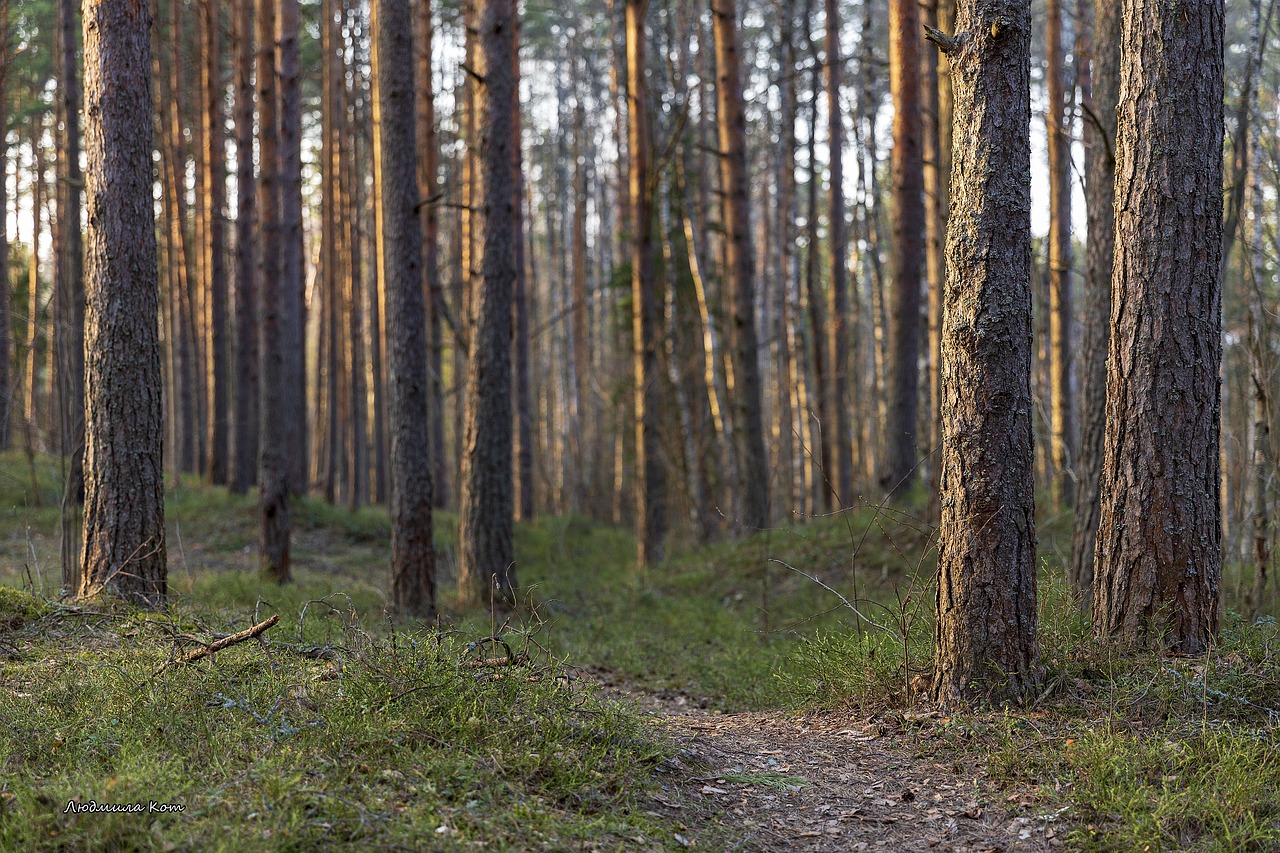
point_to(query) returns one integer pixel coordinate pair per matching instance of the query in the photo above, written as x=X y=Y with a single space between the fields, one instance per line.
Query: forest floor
x=728 y=699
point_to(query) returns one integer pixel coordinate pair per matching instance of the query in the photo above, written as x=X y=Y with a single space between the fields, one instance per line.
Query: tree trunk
x=69 y=267
x=1159 y=554
x=273 y=470
x=986 y=602
x=753 y=468
x=650 y=475
x=348 y=163
x=908 y=246
x=485 y=560
x=837 y=236
x=292 y=271
x=522 y=387
x=214 y=198
x=6 y=317
x=1099 y=90
x=428 y=190
x=124 y=545
x=1058 y=131
x=412 y=550
x=245 y=443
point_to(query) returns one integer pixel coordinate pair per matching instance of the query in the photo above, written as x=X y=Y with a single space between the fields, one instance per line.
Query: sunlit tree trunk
x=213 y=197
x=745 y=394
x=1058 y=131
x=1159 y=553
x=985 y=639
x=841 y=328
x=124 y=544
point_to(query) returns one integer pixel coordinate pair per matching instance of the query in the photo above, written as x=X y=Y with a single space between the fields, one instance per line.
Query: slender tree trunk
x=1159 y=554
x=1057 y=127
x=349 y=165
x=522 y=387
x=69 y=288
x=753 y=468
x=124 y=545
x=837 y=235
x=331 y=267
x=293 y=307
x=428 y=190
x=1262 y=465
x=245 y=442
x=826 y=475
x=214 y=199
x=650 y=475
x=273 y=410
x=6 y=316
x=485 y=564
x=1099 y=92
x=412 y=550
x=985 y=637
x=908 y=245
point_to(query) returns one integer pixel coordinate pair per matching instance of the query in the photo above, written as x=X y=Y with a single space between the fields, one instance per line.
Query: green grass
x=390 y=734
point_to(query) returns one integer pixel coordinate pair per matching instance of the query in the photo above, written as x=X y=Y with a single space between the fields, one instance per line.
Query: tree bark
x=412 y=550
x=273 y=470
x=1058 y=132
x=1159 y=553
x=1099 y=102
x=124 y=544
x=6 y=316
x=908 y=246
x=753 y=468
x=245 y=425
x=428 y=190
x=214 y=199
x=839 y=242
x=649 y=485
x=292 y=272
x=986 y=601
x=486 y=501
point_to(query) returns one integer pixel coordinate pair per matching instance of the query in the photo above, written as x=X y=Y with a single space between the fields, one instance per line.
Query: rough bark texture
x=273 y=473
x=745 y=393
x=412 y=551
x=908 y=245
x=1058 y=131
x=245 y=440
x=292 y=270
x=486 y=501
x=1099 y=187
x=650 y=520
x=124 y=545
x=215 y=200
x=838 y=237
x=986 y=602
x=1159 y=552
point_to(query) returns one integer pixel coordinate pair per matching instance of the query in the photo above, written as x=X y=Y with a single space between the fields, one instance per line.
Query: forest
x=639 y=425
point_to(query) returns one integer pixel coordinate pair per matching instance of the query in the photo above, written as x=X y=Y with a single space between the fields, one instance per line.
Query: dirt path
x=829 y=782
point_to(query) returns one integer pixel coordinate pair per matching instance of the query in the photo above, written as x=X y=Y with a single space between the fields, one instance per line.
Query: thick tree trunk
x=650 y=475
x=745 y=394
x=124 y=545
x=273 y=470
x=245 y=425
x=1159 y=552
x=412 y=550
x=1058 y=131
x=986 y=602
x=485 y=559
x=1099 y=103
x=908 y=246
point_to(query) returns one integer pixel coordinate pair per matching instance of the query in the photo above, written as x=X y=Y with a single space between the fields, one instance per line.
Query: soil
x=830 y=781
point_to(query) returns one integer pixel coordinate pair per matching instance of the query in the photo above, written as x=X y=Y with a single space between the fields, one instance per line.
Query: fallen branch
x=219 y=645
